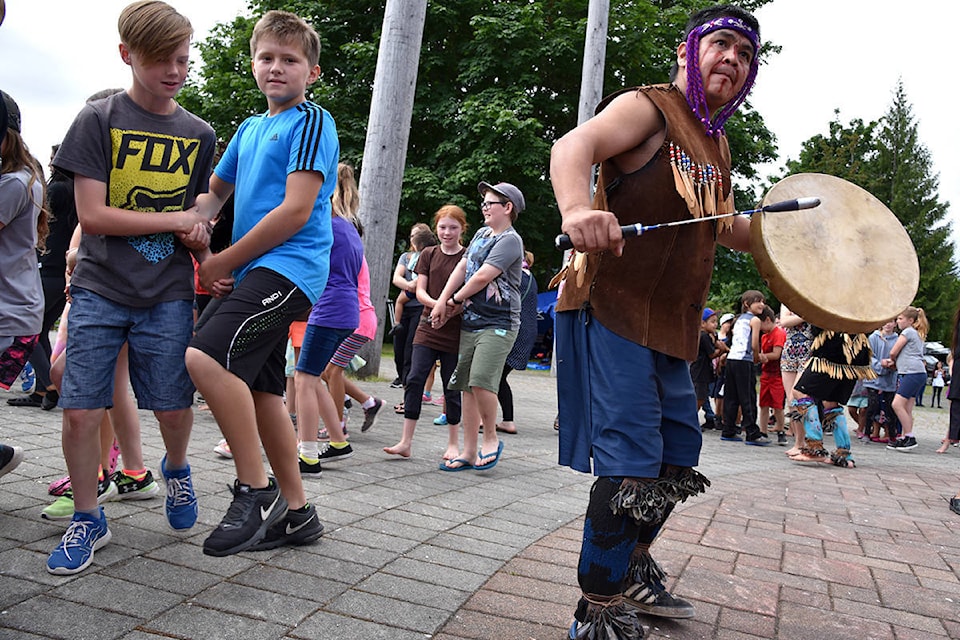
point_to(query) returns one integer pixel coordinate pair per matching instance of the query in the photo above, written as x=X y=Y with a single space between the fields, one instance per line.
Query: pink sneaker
x=59 y=487
x=114 y=456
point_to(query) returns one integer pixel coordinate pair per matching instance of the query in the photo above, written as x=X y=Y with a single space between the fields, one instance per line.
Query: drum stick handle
x=563 y=242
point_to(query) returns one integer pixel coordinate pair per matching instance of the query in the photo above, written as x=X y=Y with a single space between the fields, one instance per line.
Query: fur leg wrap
x=841 y=434
x=842 y=458
x=649 y=501
x=644 y=569
x=814 y=448
x=605 y=620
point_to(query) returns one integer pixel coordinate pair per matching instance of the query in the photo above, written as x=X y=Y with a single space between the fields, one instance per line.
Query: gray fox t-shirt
x=149 y=162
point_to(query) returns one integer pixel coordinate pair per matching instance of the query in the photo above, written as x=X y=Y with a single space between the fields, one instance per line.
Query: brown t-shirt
x=437 y=266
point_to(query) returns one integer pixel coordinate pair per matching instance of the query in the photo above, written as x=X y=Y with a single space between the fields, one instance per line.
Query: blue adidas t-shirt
x=263 y=152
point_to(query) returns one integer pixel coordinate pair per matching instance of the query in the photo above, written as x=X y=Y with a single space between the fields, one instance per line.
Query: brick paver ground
x=773 y=550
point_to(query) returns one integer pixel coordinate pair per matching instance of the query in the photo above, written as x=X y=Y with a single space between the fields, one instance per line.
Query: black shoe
x=781 y=439
x=296 y=528
x=730 y=437
x=907 y=443
x=50 y=400
x=32 y=400
x=396 y=384
x=310 y=469
x=370 y=415
x=332 y=454
x=251 y=513
x=10 y=459
x=955 y=505
x=655 y=600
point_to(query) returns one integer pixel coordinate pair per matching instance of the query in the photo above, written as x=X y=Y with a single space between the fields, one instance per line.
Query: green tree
x=498 y=83
x=887 y=159
x=910 y=188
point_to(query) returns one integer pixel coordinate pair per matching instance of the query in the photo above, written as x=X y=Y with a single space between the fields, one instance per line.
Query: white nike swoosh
x=265 y=513
x=291 y=530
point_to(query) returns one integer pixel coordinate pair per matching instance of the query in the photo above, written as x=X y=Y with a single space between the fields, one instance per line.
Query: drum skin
x=846 y=265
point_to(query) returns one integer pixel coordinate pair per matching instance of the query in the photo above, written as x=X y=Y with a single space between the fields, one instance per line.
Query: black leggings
x=505 y=395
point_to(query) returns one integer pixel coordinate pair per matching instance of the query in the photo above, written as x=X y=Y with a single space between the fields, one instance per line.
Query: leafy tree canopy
x=498 y=83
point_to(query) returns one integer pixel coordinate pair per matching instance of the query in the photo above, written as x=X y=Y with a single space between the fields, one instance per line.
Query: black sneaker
x=781 y=439
x=654 y=600
x=251 y=513
x=332 y=454
x=10 y=459
x=370 y=415
x=309 y=469
x=906 y=443
x=895 y=444
x=955 y=505
x=129 y=488
x=396 y=384
x=295 y=529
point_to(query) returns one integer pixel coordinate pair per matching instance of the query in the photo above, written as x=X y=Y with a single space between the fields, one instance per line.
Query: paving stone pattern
x=774 y=549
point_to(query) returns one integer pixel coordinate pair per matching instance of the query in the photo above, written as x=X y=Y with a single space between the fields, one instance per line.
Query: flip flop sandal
x=398 y=408
x=464 y=465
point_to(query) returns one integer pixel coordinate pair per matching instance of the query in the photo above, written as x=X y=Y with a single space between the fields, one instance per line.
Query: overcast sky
x=837 y=54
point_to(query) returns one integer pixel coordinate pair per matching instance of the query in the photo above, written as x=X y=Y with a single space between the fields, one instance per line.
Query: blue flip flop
x=492 y=463
x=464 y=465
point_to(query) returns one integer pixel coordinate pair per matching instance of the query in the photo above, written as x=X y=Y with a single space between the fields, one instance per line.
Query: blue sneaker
x=28 y=379
x=441 y=421
x=85 y=535
x=181 y=504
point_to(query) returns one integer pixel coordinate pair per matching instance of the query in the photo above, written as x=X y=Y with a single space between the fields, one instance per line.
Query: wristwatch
x=453 y=299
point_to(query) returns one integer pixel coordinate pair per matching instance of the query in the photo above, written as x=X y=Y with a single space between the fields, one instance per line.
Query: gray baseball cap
x=505 y=190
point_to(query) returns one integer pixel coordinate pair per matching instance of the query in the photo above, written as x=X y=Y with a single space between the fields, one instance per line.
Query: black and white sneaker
x=396 y=384
x=10 y=459
x=309 y=469
x=251 y=513
x=370 y=415
x=896 y=444
x=906 y=443
x=653 y=599
x=781 y=439
x=333 y=454
x=296 y=528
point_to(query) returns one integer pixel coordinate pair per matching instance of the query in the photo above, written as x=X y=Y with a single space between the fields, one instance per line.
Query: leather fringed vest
x=654 y=293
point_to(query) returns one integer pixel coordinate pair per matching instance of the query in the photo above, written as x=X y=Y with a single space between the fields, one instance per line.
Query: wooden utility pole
x=594 y=56
x=385 y=151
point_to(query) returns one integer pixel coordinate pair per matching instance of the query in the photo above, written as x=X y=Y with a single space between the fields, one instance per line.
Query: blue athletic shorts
x=631 y=408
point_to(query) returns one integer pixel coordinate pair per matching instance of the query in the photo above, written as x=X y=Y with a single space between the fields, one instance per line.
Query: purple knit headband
x=695 y=96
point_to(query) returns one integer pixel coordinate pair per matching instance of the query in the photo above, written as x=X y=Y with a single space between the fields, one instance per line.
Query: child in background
x=740 y=390
x=907 y=356
x=720 y=367
x=772 y=395
x=701 y=370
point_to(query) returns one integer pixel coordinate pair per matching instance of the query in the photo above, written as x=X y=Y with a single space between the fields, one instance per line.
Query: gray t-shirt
x=910 y=358
x=497 y=306
x=21 y=296
x=149 y=162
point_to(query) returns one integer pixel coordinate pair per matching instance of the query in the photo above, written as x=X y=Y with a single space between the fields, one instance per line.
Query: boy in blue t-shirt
x=281 y=167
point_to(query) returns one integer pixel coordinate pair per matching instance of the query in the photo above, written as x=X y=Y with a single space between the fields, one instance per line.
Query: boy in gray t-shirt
x=138 y=161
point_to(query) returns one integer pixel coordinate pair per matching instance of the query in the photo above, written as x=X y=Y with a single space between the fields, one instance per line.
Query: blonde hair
x=16 y=157
x=286 y=28
x=919 y=318
x=153 y=29
x=346 y=196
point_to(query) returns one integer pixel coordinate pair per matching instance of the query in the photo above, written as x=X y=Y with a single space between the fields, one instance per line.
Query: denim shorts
x=319 y=345
x=909 y=384
x=157 y=336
